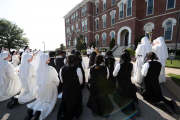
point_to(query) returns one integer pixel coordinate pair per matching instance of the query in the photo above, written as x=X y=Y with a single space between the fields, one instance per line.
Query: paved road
x=148 y=111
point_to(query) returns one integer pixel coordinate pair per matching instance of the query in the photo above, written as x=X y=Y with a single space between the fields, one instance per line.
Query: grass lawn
x=175 y=78
x=175 y=63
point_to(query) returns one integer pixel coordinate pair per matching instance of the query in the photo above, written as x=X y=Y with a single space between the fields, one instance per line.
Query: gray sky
x=42 y=20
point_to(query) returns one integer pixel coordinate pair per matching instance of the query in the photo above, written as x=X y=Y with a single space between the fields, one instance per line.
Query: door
x=126 y=38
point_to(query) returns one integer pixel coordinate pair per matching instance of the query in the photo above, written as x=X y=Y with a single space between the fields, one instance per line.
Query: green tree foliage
x=12 y=36
x=62 y=47
x=112 y=43
x=81 y=44
x=93 y=43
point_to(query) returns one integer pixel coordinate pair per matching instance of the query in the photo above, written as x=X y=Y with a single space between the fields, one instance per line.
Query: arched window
x=112 y=13
x=104 y=39
x=74 y=42
x=168 y=28
x=104 y=20
x=97 y=23
x=112 y=34
x=148 y=29
x=97 y=40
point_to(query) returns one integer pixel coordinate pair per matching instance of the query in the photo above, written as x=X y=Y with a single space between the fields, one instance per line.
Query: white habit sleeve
x=107 y=73
x=60 y=75
x=89 y=75
x=83 y=65
x=65 y=60
x=80 y=76
x=88 y=64
x=116 y=70
x=145 y=68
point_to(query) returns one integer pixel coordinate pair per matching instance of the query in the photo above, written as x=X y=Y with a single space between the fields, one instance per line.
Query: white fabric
x=161 y=50
x=88 y=51
x=15 y=60
x=141 y=52
x=46 y=100
x=37 y=59
x=24 y=70
x=79 y=74
x=118 y=67
x=12 y=84
x=28 y=92
x=83 y=65
x=2 y=56
x=89 y=74
x=88 y=64
x=92 y=49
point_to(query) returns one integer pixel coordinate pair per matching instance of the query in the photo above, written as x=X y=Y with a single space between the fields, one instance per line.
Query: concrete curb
x=172 y=87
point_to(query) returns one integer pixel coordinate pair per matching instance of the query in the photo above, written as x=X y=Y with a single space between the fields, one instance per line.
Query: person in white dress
x=27 y=76
x=92 y=48
x=15 y=59
x=161 y=51
x=46 y=82
x=9 y=81
x=141 y=52
x=88 y=52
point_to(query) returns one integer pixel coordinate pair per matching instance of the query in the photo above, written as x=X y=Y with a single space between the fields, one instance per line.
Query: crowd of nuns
x=57 y=73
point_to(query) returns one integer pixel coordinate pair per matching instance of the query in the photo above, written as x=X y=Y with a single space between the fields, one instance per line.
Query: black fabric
x=79 y=64
x=71 y=105
x=109 y=62
x=51 y=63
x=99 y=101
x=125 y=95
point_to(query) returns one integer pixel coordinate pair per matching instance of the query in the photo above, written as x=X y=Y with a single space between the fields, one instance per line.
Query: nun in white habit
x=27 y=76
x=161 y=51
x=36 y=62
x=141 y=52
x=9 y=80
x=15 y=59
x=46 y=81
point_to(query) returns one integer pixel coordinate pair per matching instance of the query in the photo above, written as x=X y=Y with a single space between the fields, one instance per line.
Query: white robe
x=15 y=60
x=46 y=102
x=28 y=92
x=12 y=84
x=162 y=76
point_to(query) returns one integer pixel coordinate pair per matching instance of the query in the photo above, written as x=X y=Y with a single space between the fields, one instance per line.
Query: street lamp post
x=44 y=47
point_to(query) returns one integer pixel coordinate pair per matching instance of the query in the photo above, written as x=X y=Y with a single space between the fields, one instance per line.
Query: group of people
x=45 y=77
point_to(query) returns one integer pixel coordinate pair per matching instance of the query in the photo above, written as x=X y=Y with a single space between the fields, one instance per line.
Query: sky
x=42 y=20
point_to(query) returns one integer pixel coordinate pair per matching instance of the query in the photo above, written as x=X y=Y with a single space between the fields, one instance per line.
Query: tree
x=62 y=47
x=112 y=43
x=12 y=36
x=81 y=44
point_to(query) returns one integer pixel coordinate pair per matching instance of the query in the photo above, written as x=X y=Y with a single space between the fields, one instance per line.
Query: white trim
x=103 y=34
x=127 y=8
x=147 y=8
x=104 y=29
x=170 y=8
x=112 y=32
x=119 y=4
x=104 y=16
x=97 y=19
x=105 y=37
x=112 y=12
x=119 y=35
x=106 y=11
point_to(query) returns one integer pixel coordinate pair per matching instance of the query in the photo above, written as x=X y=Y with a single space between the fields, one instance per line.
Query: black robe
x=125 y=95
x=71 y=105
x=99 y=101
x=52 y=62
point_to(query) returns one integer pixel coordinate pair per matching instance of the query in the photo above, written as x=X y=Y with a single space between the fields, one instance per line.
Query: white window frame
x=127 y=8
x=147 y=8
x=174 y=21
x=111 y=34
x=97 y=22
x=113 y=12
x=103 y=39
x=97 y=36
x=170 y=8
x=104 y=2
x=104 y=18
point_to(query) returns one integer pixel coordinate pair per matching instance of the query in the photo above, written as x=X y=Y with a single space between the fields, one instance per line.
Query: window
x=97 y=23
x=69 y=43
x=112 y=13
x=86 y=40
x=82 y=26
x=104 y=22
x=76 y=15
x=121 y=11
x=104 y=4
x=71 y=18
x=85 y=10
x=113 y=2
x=112 y=35
x=104 y=39
x=74 y=42
x=97 y=40
x=168 y=31
x=148 y=29
x=77 y=27
x=85 y=25
x=129 y=8
x=72 y=28
x=97 y=8
x=150 y=7
x=170 y=4
x=68 y=21
x=82 y=12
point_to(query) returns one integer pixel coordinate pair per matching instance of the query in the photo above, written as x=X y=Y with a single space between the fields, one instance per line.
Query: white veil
x=37 y=59
x=2 y=56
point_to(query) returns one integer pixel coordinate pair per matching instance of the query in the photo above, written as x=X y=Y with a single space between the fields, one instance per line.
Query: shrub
x=84 y=52
x=112 y=43
x=131 y=51
x=103 y=50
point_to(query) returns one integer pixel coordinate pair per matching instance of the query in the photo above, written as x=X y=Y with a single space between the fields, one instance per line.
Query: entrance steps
x=118 y=51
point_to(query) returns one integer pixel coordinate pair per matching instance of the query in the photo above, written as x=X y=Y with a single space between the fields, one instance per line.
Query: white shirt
x=118 y=67
x=79 y=74
x=65 y=60
x=89 y=75
x=145 y=68
x=88 y=51
x=92 y=49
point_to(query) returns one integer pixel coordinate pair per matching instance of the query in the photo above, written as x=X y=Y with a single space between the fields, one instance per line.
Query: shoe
x=138 y=114
x=74 y=118
x=175 y=107
x=11 y=104
x=36 y=115
x=164 y=108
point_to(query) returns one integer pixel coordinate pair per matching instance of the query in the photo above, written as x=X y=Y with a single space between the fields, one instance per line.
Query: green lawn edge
x=175 y=78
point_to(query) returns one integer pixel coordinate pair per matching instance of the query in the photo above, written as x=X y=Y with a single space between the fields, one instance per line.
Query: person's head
x=71 y=59
x=15 y=53
x=6 y=49
x=151 y=56
x=145 y=40
x=99 y=60
x=72 y=52
x=18 y=53
x=77 y=54
x=125 y=51
x=60 y=53
x=52 y=54
x=109 y=54
x=26 y=47
x=125 y=57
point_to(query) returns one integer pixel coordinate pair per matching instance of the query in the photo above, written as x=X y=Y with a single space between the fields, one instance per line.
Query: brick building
x=124 y=20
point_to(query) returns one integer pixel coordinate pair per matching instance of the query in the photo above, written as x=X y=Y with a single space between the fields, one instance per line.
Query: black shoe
x=29 y=115
x=164 y=108
x=36 y=115
x=175 y=107
x=12 y=103
x=74 y=118
x=138 y=114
